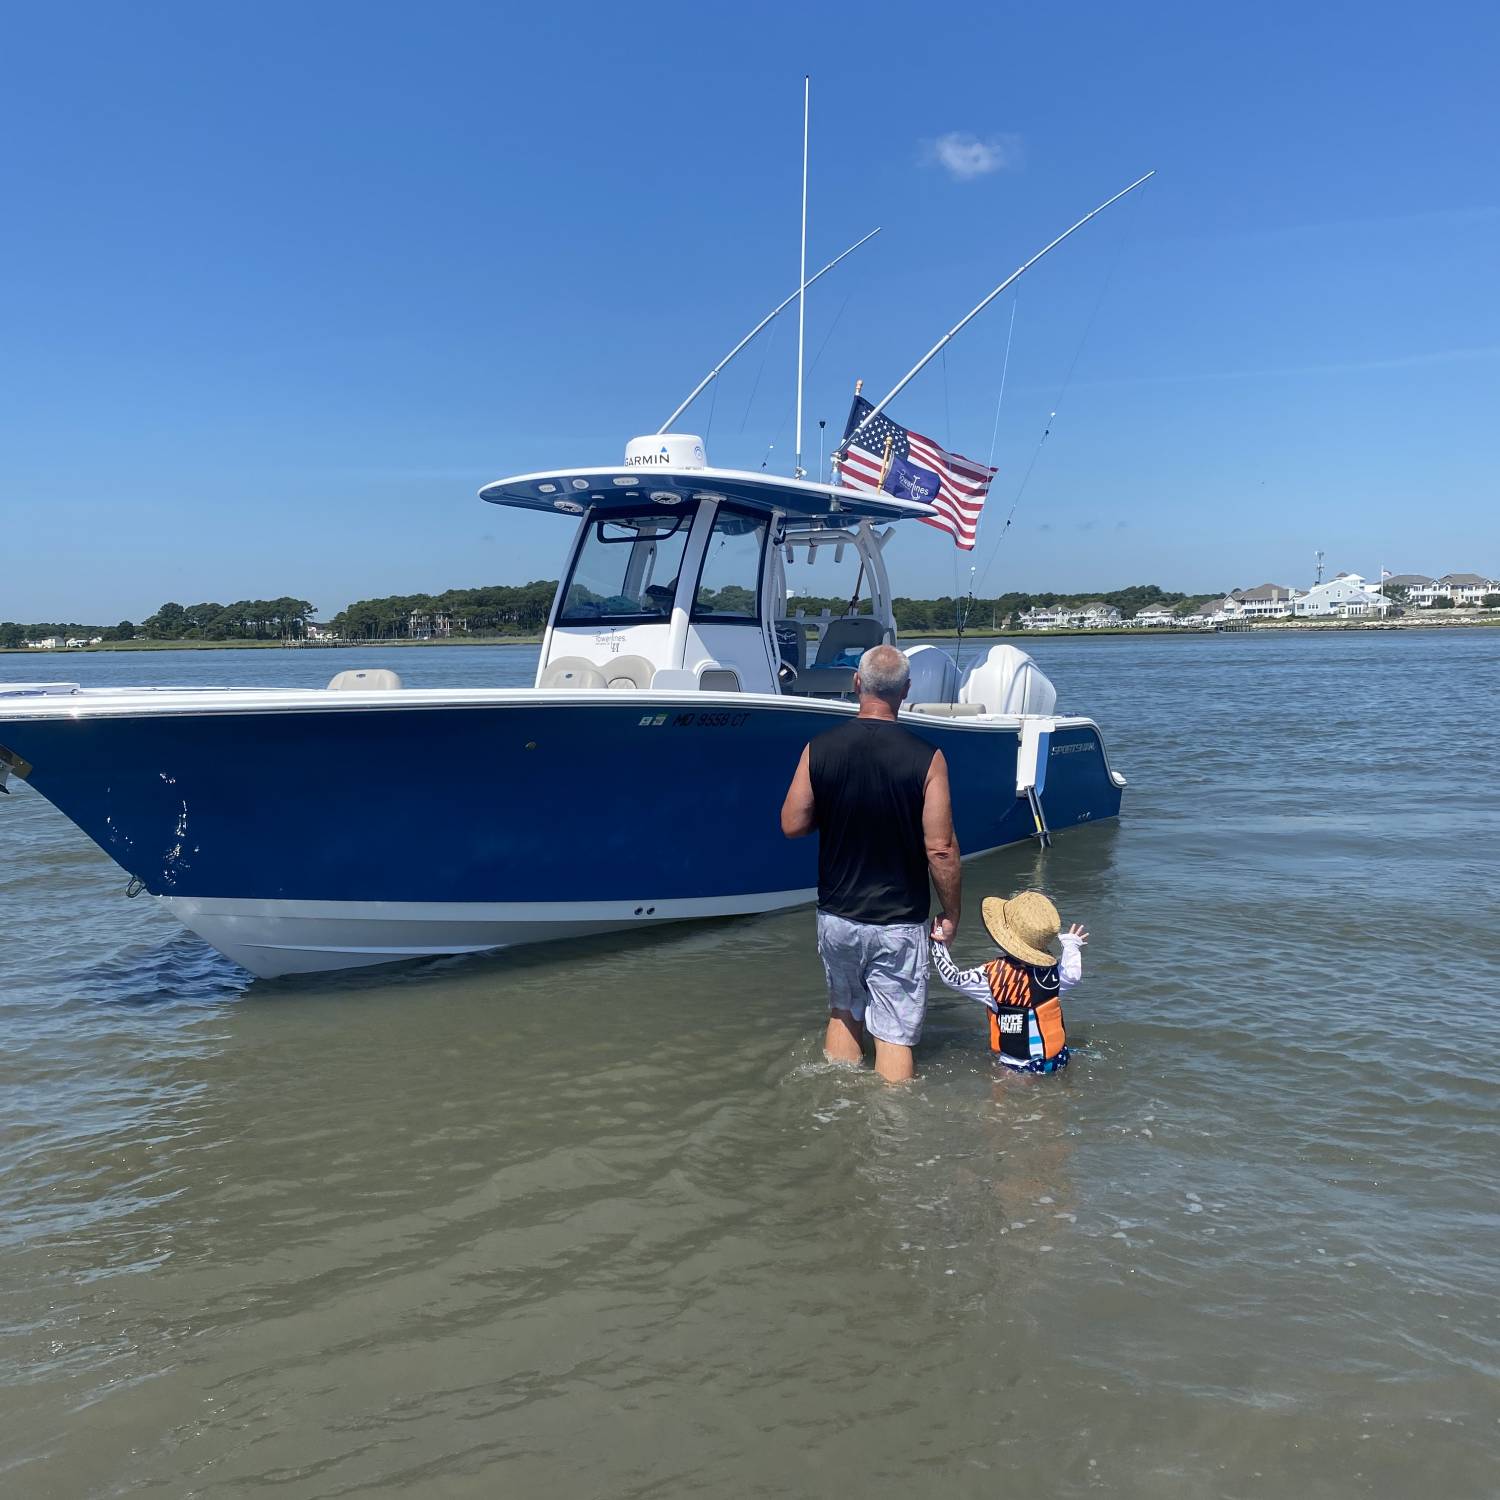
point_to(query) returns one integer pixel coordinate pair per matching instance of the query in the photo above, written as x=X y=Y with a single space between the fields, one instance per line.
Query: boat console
x=678 y=575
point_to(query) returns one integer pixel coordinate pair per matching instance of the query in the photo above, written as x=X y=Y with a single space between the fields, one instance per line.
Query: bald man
x=877 y=797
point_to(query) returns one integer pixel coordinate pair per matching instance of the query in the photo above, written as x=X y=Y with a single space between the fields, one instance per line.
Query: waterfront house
x=1211 y=612
x=1269 y=601
x=421 y=626
x=1056 y=617
x=1417 y=588
x=1467 y=590
x=1347 y=595
x=1155 y=615
x=1095 y=615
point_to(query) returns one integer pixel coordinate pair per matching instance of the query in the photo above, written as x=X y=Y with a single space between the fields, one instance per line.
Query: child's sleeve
x=1070 y=969
x=970 y=983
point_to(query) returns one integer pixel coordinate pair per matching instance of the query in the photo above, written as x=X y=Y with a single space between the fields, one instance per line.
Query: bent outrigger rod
x=703 y=384
x=937 y=348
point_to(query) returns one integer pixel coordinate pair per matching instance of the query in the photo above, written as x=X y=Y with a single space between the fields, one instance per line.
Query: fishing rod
x=938 y=347
x=703 y=384
x=797 y=469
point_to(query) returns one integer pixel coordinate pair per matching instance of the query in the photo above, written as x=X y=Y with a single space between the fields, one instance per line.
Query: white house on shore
x=1155 y=615
x=1466 y=590
x=1095 y=615
x=1346 y=596
x=1270 y=601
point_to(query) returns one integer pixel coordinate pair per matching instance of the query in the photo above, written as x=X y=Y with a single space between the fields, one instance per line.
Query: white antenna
x=974 y=312
x=1318 y=555
x=798 y=470
x=780 y=307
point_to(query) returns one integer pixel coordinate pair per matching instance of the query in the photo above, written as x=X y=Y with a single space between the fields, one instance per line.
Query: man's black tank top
x=869 y=778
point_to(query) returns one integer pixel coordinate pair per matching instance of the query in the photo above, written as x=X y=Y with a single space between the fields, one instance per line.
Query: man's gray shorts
x=877 y=973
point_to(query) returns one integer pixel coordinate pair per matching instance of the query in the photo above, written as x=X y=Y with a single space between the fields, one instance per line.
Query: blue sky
x=282 y=285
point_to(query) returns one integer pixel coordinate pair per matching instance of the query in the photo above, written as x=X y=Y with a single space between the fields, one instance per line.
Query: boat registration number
x=714 y=719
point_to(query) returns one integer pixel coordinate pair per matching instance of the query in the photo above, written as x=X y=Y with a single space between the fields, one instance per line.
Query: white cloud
x=965 y=156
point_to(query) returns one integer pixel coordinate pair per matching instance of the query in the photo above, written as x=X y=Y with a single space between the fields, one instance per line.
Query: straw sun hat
x=1026 y=926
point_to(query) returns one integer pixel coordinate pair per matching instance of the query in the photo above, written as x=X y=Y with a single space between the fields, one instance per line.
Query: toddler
x=1022 y=988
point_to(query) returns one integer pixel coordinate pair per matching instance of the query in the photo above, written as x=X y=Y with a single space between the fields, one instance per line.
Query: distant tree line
x=944 y=614
x=14 y=634
x=245 y=619
x=522 y=609
x=498 y=609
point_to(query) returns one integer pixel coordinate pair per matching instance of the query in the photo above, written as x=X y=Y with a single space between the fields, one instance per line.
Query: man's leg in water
x=896 y=980
x=844 y=1039
x=839 y=946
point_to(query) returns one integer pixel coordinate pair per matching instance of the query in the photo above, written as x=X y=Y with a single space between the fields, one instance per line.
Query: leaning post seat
x=847 y=639
x=844 y=642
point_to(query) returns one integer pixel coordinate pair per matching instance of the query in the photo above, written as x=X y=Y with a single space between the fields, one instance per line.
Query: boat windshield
x=626 y=570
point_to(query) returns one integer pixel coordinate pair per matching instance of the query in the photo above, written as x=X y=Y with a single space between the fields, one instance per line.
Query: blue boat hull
x=502 y=821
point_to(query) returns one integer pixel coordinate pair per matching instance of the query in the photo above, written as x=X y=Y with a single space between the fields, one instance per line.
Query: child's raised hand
x=1077 y=930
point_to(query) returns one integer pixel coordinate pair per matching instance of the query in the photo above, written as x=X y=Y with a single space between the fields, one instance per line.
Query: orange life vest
x=1026 y=1030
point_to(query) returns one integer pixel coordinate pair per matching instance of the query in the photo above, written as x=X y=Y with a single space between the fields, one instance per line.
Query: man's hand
x=943 y=928
x=1079 y=932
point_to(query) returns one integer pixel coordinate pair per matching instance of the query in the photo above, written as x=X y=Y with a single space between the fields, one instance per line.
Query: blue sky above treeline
x=282 y=286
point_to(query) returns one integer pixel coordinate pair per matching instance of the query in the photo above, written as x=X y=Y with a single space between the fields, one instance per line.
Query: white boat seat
x=572 y=672
x=845 y=641
x=627 y=673
x=824 y=682
x=948 y=710
x=364 y=679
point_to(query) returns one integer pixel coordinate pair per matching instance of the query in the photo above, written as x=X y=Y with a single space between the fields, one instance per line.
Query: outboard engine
x=1007 y=681
x=934 y=675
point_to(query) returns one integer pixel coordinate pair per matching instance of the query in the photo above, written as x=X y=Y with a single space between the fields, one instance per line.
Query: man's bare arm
x=942 y=848
x=798 y=816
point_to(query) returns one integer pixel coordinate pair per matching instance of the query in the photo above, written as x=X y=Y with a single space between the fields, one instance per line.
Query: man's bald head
x=884 y=673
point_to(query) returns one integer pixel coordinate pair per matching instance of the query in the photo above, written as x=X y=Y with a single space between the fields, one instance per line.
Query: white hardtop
x=660 y=470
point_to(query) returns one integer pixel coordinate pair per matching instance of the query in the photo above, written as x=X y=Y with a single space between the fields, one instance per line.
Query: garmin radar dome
x=666 y=450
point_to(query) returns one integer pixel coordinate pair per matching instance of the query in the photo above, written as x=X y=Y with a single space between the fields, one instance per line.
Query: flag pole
x=833 y=463
x=797 y=469
x=1014 y=276
x=780 y=307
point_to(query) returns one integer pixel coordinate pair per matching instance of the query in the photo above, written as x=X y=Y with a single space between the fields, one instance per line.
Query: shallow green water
x=597 y=1220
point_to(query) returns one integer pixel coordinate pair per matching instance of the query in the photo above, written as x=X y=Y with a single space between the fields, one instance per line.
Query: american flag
x=918 y=470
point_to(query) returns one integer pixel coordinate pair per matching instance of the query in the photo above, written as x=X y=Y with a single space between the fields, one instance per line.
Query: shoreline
x=1485 y=620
